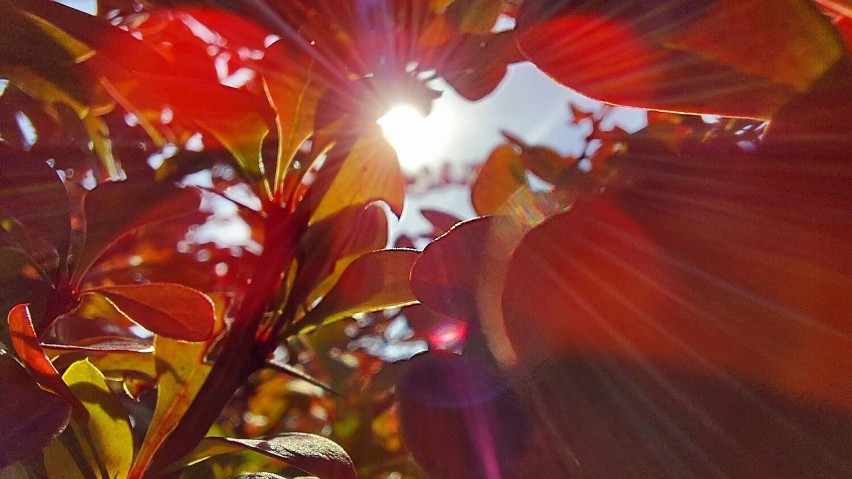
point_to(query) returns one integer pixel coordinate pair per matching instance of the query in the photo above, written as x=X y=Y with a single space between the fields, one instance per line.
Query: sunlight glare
x=418 y=140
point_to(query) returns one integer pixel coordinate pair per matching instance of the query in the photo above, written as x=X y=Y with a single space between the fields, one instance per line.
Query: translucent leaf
x=441 y=221
x=368 y=172
x=29 y=351
x=294 y=86
x=668 y=54
x=372 y=282
x=474 y=16
x=106 y=427
x=500 y=176
x=733 y=266
x=447 y=275
x=30 y=417
x=328 y=246
x=106 y=221
x=167 y=309
x=181 y=372
x=313 y=454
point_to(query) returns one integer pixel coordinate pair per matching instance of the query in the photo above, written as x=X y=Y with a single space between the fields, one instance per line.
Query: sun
x=418 y=140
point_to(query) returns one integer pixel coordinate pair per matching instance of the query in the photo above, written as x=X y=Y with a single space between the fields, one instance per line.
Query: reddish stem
x=241 y=353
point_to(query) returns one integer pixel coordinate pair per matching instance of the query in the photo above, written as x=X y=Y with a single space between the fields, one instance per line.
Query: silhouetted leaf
x=313 y=454
x=30 y=417
x=32 y=193
x=372 y=282
x=668 y=54
x=181 y=372
x=106 y=425
x=167 y=309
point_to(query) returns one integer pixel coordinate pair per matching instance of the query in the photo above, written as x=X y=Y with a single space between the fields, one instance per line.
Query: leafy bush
x=673 y=302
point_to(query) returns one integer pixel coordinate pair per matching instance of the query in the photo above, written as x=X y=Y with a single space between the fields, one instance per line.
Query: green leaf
x=181 y=372
x=474 y=16
x=30 y=417
x=372 y=282
x=167 y=309
x=669 y=55
x=106 y=428
x=105 y=222
x=313 y=454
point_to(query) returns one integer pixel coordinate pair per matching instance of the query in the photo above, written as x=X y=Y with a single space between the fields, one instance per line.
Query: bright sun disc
x=418 y=140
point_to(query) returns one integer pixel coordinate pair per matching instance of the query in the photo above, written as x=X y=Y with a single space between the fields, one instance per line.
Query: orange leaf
x=29 y=350
x=168 y=309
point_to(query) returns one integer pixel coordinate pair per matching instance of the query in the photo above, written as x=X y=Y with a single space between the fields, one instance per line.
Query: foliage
x=671 y=302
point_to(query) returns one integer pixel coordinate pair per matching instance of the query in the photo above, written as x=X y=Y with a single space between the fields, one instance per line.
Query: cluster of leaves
x=680 y=294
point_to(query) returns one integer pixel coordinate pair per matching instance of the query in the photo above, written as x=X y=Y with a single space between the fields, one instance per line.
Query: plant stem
x=241 y=353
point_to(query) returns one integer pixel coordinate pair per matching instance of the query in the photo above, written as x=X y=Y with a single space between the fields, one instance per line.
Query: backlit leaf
x=500 y=176
x=447 y=275
x=313 y=454
x=372 y=282
x=368 y=172
x=181 y=372
x=474 y=16
x=106 y=427
x=328 y=246
x=441 y=221
x=29 y=350
x=728 y=266
x=167 y=309
x=294 y=86
x=668 y=54
x=30 y=417
x=144 y=203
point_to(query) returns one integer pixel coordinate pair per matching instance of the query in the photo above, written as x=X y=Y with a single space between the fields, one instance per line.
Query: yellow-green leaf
x=106 y=428
x=368 y=172
x=181 y=371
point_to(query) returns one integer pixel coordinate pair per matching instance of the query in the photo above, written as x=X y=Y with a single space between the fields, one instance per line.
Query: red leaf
x=441 y=221
x=731 y=266
x=168 y=309
x=448 y=274
x=29 y=350
x=32 y=193
x=668 y=54
x=30 y=417
x=115 y=209
x=375 y=281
